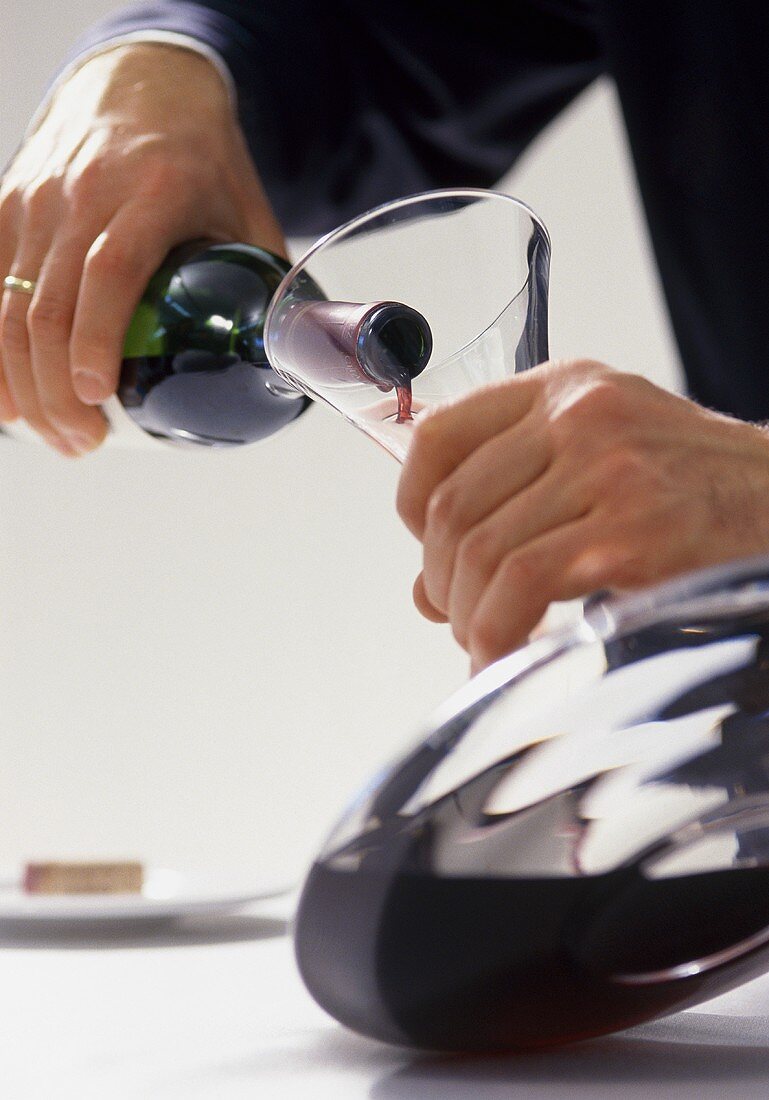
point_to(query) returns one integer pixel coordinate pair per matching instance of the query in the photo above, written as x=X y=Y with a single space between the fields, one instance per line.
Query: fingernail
x=89 y=387
x=81 y=442
x=62 y=446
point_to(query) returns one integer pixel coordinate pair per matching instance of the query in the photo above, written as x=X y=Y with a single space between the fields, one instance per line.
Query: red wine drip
x=404 y=403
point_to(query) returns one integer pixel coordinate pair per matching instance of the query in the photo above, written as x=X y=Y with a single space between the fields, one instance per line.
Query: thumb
x=423 y=605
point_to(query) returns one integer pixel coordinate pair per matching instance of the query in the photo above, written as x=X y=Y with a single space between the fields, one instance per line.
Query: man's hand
x=139 y=150
x=568 y=479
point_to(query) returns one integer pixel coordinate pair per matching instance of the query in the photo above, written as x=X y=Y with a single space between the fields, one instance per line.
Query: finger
x=8 y=410
x=423 y=605
x=17 y=365
x=494 y=473
x=118 y=267
x=14 y=336
x=445 y=436
x=545 y=506
x=562 y=564
x=9 y=222
x=49 y=323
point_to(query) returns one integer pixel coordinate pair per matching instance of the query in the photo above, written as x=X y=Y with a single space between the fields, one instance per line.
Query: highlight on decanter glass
x=578 y=843
x=411 y=304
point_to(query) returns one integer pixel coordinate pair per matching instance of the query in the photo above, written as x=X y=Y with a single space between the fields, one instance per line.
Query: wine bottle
x=384 y=343
x=194 y=367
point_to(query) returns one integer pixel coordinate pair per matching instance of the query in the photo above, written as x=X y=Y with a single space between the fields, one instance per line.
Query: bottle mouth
x=394 y=344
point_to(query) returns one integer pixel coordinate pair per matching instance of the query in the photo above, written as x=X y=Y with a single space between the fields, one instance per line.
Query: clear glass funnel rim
x=477 y=193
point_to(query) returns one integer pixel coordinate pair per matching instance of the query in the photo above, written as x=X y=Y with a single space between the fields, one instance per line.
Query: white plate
x=166 y=895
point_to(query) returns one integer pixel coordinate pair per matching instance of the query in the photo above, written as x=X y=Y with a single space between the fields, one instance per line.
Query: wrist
x=124 y=77
x=745 y=470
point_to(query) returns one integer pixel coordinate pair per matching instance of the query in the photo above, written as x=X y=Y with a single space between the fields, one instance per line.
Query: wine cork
x=125 y=877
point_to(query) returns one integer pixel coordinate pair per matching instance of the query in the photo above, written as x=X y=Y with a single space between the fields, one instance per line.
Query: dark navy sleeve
x=349 y=103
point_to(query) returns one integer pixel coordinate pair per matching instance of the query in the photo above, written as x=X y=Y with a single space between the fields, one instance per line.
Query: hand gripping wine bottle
x=195 y=369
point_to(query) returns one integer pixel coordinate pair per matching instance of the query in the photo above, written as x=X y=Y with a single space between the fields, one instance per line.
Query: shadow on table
x=695 y=1049
x=146 y=933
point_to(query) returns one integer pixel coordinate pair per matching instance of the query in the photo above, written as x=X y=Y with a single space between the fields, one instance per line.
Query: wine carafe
x=578 y=841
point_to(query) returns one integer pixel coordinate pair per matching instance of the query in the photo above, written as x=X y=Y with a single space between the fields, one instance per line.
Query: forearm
x=133 y=38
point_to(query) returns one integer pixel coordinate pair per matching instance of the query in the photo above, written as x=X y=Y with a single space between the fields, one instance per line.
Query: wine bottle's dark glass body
x=194 y=367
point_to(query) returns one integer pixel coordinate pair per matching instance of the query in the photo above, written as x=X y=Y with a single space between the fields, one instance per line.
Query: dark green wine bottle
x=194 y=367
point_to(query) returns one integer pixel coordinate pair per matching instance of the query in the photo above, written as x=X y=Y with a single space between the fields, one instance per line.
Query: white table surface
x=216 y=1009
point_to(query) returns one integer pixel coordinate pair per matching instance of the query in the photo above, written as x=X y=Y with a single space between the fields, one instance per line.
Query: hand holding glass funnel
x=422 y=299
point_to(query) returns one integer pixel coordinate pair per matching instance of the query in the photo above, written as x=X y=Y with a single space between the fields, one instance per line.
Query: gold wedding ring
x=23 y=286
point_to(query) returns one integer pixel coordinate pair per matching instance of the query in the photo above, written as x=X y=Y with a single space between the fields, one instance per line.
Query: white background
x=201 y=656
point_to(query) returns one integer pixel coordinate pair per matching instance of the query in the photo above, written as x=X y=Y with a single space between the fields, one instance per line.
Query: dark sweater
x=348 y=103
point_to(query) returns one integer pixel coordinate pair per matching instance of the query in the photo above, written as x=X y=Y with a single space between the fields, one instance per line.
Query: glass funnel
x=411 y=304
x=579 y=842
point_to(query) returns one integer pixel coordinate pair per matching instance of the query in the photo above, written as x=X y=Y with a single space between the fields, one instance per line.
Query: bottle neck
x=384 y=344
